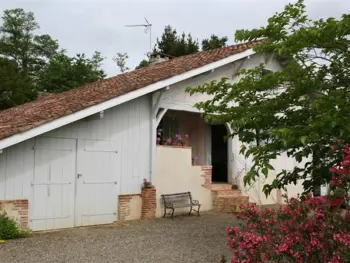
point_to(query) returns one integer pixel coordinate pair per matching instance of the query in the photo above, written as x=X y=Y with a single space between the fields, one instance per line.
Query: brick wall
x=16 y=209
x=206 y=173
x=230 y=204
x=129 y=207
x=149 y=203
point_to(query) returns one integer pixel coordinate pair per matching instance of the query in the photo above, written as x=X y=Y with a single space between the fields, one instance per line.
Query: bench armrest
x=195 y=202
x=168 y=205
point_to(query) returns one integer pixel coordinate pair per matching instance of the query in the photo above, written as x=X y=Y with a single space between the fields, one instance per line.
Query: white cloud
x=89 y=25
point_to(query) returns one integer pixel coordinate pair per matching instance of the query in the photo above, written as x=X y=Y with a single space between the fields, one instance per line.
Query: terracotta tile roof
x=51 y=107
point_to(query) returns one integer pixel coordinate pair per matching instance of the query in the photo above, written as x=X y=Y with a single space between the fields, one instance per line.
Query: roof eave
x=57 y=123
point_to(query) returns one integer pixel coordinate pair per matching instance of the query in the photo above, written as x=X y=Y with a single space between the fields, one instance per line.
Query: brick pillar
x=149 y=204
x=206 y=173
x=123 y=206
x=17 y=210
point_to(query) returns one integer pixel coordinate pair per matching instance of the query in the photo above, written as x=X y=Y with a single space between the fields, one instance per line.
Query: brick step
x=221 y=187
x=226 y=192
x=230 y=204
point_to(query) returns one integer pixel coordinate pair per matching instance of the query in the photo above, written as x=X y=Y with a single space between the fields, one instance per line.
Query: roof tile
x=54 y=106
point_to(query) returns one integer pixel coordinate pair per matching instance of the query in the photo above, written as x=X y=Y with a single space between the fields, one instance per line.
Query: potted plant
x=168 y=141
x=185 y=141
x=194 y=159
x=234 y=187
x=146 y=184
x=174 y=141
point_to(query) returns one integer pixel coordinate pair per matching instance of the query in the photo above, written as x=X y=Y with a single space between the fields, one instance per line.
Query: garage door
x=98 y=182
x=53 y=184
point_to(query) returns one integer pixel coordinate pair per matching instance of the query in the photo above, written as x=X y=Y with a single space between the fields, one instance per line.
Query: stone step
x=221 y=187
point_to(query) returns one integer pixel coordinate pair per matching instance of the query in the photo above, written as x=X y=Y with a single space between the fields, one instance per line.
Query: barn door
x=53 y=184
x=98 y=180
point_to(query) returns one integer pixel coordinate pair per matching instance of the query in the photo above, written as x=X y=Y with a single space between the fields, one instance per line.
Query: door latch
x=79 y=175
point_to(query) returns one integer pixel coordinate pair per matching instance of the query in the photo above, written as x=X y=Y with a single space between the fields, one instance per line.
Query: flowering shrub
x=308 y=229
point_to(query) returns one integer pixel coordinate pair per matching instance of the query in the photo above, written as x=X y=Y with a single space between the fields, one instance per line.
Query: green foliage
x=15 y=87
x=214 y=42
x=9 y=228
x=30 y=62
x=300 y=110
x=120 y=60
x=175 y=45
x=19 y=42
x=143 y=63
x=64 y=73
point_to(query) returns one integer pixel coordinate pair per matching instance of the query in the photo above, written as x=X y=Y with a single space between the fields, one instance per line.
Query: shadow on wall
x=175 y=173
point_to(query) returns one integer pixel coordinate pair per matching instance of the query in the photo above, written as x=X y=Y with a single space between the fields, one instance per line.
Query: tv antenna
x=148 y=28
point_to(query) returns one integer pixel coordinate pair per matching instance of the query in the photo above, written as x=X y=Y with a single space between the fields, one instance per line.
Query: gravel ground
x=184 y=239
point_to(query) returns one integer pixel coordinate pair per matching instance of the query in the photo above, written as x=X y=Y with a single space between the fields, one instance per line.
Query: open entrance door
x=219 y=153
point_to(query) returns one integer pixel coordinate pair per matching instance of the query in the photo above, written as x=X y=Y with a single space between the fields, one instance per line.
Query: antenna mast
x=148 y=27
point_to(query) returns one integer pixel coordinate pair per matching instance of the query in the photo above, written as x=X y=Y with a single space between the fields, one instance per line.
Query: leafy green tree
x=120 y=60
x=15 y=88
x=64 y=73
x=170 y=43
x=143 y=63
x=214 y=42
x=19 y=41
x=302 y=110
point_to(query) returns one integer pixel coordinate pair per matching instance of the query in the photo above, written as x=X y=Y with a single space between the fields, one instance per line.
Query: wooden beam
x=160 y=115
x=268 y=57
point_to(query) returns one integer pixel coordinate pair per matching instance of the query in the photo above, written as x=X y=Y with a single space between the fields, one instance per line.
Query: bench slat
x=178 y=200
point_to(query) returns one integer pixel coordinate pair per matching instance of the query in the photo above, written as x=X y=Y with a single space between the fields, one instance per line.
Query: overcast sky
x=89 y=25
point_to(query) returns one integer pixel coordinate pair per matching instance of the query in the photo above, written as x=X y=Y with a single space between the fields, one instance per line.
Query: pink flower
x=195 y=158
x=168 y=141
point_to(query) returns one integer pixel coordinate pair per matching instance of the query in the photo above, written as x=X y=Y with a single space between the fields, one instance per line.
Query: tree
x=301 y=110
x=15 y=88
x=19 y=42
x=175 y=45
x=64 y=73
x=214 y=42
x=143 y=63
x=120 y=60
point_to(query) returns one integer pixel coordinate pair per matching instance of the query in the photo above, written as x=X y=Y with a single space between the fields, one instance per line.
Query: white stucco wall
x=175 y=174
x=177 y=99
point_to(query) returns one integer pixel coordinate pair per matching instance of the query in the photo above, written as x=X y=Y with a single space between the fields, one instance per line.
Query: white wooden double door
x=75 y=183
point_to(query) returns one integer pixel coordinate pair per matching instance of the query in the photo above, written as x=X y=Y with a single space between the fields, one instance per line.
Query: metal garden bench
x=179 y=200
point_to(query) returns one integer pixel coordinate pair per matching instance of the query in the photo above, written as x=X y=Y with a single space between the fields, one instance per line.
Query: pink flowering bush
x=308 y=229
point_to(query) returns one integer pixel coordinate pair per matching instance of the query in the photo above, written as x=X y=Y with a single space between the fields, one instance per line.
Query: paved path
x=184 y=239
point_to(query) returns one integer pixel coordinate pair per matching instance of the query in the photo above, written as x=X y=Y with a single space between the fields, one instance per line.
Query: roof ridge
x=53 y=106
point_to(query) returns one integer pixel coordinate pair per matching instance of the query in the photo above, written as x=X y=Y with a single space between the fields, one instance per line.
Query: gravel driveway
x=184 y=239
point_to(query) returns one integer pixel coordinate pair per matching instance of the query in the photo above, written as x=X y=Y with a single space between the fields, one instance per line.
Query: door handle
x=79 y=175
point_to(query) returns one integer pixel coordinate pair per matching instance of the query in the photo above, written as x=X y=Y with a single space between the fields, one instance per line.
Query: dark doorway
x=219 y=153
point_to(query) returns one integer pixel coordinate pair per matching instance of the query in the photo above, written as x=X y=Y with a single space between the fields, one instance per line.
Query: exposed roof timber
x=268 y=57
x=20 y=137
